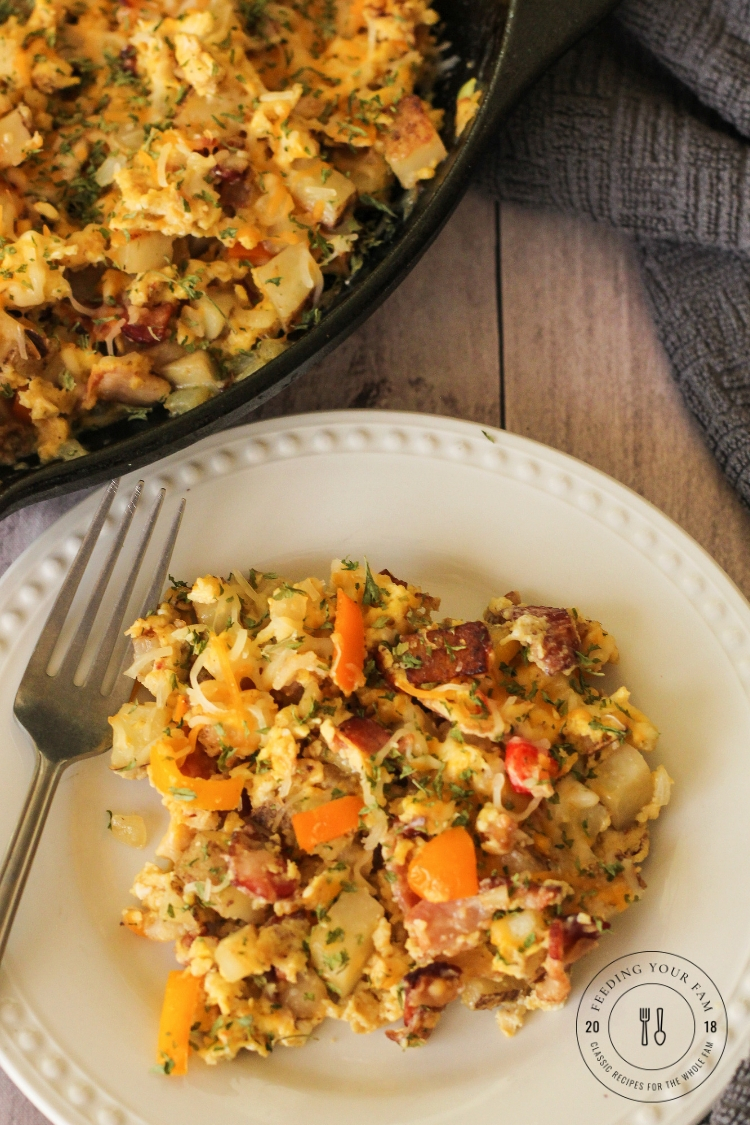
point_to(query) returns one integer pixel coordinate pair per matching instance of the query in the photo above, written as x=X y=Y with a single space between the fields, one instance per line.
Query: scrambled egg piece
x=345 y=844
x=186 y=184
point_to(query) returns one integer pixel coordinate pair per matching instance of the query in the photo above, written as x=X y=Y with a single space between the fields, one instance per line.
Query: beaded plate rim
x=39 y=1067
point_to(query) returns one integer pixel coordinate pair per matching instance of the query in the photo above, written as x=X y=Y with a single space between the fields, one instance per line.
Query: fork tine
x=72 y=657
x=101 y=661
x=155 y=589
x=48 y=638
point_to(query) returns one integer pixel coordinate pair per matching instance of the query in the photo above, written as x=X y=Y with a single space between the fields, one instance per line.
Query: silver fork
x=68 y=720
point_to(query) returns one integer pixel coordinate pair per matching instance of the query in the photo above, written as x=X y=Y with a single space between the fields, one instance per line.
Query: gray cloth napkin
x=645 y=125
x=20 y=529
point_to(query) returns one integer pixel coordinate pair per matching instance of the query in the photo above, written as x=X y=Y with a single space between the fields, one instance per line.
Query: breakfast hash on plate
x=184 y=183
x=372 y=813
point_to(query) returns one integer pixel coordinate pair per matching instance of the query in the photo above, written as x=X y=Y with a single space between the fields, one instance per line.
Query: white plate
x=467 y=516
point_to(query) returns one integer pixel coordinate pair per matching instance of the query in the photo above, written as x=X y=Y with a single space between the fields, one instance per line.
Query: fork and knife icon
x=659 y=1035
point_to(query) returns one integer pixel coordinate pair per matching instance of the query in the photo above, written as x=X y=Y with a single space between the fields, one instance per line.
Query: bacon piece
x=204 y=144
x=393 y=578
x=198 y=764
x=448 y=654
x=403 y=895
x=552 y=637
x=233 y=194
x=570 y=938
x=428 y=991
x=367 y=735
x=148 y=325
x=554 y=988
x=20 y=412
x=227 y=174
x=128 y=56
x=258 y=871
x=445 y=929
x=105 y=322
x=289 y=695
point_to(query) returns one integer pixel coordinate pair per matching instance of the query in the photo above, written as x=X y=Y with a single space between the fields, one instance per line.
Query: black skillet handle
x=537 y=33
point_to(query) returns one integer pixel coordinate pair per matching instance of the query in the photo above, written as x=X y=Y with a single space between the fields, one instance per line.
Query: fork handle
x=22 y=848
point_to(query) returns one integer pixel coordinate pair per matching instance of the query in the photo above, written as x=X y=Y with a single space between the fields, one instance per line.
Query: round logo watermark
x=651 y=1026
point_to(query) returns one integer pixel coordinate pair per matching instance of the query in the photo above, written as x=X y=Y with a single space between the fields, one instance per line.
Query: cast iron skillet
x=506 y=49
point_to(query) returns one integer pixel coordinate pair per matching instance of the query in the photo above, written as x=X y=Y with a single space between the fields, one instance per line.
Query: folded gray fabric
x=645 y=126
x=22 y=528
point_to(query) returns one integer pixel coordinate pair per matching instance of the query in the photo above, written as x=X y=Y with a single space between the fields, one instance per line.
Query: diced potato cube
x=186 y=398
x=237 y=955
x=413 y=147
x=210 y=318
x=624 y=785
x=150 y=250
x=366 y=168
x=341 y=946
x=129 y=829
x=250 y=951
x=516 y=937
x=320 y=189
x=232 y=902
x=288 y=280
x=196 y=369
x=135 y=728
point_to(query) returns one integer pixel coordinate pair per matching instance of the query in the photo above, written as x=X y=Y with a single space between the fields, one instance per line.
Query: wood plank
x=586 y=373
x=433 y=346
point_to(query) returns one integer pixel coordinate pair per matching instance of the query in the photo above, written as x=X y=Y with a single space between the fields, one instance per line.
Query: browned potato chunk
x=413 y=147
x=366 y=168
x=624 y=785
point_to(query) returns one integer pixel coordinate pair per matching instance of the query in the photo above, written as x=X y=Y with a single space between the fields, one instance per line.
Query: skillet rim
x=536 y=33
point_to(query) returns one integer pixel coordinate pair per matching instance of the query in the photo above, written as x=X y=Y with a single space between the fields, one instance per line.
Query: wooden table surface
x=537 y=323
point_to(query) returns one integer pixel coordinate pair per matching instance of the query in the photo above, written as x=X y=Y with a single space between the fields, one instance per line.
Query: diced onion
x=11 y=335
x=239 y=644
x=161 y=167
x=251 y=594
x=114 y=331
x=532 y=806
x=82 y=308
x=378 y=832
x=106 y=172
x=148 y=658
x=195 y=671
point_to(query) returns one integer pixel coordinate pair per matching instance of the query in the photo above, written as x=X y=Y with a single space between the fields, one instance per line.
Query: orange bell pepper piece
x=318 y=826
x=445 y=868
x=214 y=794
x=347 y=670
x=258 y=256
x=181 y=998
x=181 y=708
